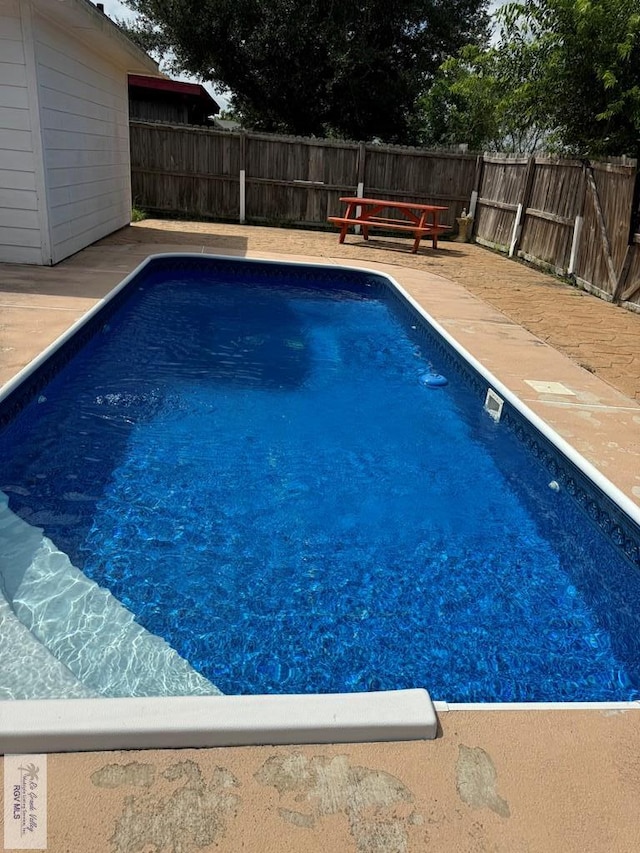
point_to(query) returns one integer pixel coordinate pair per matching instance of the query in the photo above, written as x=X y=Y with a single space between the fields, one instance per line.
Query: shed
x=158 y=99
x=64 y=127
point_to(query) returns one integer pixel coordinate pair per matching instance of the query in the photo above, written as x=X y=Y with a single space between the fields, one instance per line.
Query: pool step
x=82 y=625
x=27 y=669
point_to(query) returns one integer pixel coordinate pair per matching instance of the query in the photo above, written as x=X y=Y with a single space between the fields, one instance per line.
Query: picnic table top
x=401 y=205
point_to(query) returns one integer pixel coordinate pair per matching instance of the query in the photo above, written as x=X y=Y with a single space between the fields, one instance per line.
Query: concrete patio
x=494 y=780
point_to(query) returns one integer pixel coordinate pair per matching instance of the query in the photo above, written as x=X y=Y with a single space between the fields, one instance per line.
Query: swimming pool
x=364 y=582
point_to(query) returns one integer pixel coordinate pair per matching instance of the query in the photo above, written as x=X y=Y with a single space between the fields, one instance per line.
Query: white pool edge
x=446 y=707
x=179 y=722
x=62 y=725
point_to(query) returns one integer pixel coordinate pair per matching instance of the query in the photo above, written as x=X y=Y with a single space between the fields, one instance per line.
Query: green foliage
x=138 y=214
x=314 y=67
x=493 y=98
x=564 y=74
x=484 y=99
x=230 y=115
x=590 y=73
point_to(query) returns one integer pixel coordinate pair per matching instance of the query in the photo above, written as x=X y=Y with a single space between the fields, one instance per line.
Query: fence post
x=362 y=153
x=242 y=157
x=575 y=244
x=577 y=225
x=522 y=205
x=475 y=192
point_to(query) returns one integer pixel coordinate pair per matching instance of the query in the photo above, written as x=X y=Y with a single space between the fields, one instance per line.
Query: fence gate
x=568 y=216
x=604 y=255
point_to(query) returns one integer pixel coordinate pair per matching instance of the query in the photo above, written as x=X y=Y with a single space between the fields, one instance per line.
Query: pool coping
x=174 y=735
x=180 y=722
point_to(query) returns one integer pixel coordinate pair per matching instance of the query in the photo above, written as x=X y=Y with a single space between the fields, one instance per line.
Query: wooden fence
x=263 y=178
x=571 y=217
x=629 y=292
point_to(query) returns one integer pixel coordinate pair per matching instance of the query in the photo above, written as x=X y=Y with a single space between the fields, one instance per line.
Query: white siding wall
x=20 y=236
x=84 y=117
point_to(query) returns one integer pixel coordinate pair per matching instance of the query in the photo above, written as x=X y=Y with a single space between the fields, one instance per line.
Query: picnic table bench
x=420 y=219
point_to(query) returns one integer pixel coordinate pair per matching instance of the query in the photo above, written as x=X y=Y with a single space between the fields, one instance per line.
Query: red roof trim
x=175 y=86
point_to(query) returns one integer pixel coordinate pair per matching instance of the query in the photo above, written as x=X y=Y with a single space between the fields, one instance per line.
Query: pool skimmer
x=493 y=405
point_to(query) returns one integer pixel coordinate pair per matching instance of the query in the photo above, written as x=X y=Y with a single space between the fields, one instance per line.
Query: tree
x=591 y=69
x=314 y=67
x=484 y=99
x=563 y=73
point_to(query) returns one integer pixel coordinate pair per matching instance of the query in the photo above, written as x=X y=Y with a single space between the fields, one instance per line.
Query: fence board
x=411 y=174
x=185 y=170
x=296 y=180
x=631 y=294
x=503 y=181
x=554 y=202
x=615 y=189
x=288 y=179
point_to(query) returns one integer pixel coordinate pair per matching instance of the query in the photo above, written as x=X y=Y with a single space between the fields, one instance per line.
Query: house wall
x=85 y=139
x=21 y=222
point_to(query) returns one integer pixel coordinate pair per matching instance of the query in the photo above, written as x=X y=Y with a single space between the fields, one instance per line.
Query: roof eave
x=98 y=31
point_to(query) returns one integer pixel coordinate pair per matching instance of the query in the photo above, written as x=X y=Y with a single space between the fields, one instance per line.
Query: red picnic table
x=420 y=219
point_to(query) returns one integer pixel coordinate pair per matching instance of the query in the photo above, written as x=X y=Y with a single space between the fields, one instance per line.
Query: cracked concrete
x=536 y=781
x=477 y=779
x=192 y=814
x=369 y=799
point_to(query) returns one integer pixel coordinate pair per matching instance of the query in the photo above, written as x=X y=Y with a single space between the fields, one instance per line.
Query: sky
x=115 y=9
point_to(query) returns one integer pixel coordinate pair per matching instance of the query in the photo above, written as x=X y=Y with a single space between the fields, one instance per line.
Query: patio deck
x=495 y=780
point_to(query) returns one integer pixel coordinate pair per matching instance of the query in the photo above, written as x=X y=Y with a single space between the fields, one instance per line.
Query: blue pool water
x=257 y=471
